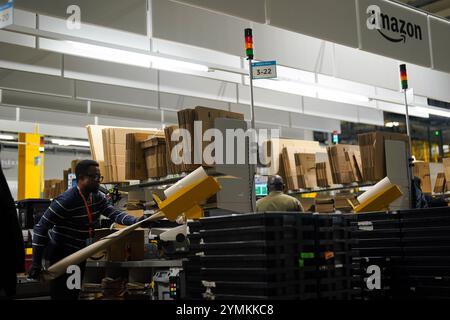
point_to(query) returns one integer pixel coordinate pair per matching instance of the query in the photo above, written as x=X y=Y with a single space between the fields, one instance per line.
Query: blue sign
x=6 y=15
x=264 y=70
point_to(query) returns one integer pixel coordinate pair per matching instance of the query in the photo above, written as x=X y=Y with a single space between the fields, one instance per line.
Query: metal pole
x=410 y=158
x=252 y=104
x=408 y=128
x=252 y=166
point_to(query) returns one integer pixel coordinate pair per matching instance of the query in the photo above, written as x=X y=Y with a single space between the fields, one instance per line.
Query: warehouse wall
x=54 y=165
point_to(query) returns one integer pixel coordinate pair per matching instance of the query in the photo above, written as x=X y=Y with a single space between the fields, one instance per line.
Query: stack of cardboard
x=155 y=157
x=53 y=188
x=341 y=202
x=206 y=116
x=343 y=168
x=186 y=120
x=306 y=170
x=324 y=205
x=422 y=171
x=172 y=168
x=353 y=155
x=439 y=187
x=135 y=168
x=279 y=156
x=446 y=162
x=321 y=173
x=114 y=146
x=372 y=153
x=288 y=169
x=95 y=137
x=108 y=148
x=271 y=151
x=326 y=178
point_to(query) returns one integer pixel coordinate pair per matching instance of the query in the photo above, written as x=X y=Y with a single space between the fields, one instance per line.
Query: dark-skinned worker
x=277 y=200
x=68 y=225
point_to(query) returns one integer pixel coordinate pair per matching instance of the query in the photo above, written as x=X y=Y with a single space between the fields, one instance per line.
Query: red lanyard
x=88 y=210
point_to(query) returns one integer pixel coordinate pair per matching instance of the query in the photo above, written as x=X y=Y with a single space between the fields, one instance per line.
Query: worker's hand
x=35 y=273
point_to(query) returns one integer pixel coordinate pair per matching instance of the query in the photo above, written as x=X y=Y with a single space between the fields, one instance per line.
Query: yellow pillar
x=31 y=166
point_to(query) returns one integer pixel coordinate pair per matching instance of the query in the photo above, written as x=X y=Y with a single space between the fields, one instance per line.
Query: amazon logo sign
x=390 y=27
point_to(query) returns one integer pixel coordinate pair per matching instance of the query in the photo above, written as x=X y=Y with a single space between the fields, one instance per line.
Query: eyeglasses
x=96 y=177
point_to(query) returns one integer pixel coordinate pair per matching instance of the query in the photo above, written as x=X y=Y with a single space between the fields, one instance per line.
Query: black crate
x=443 y=261
x=260 y=219
x=31 y=211
x=274 y=290
x=425 y=213
x=424 y=251
x=425 y=241
x=251 y=274
x=277 y=234
x=378 y=234
x=250 y=261
x=194 y=226
x=249 y=247
x=262 y=298
x=379 y=243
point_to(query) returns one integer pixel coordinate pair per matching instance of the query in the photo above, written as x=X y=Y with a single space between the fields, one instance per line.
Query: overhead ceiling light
x=435 y=112
x=109 y=54
x=133 y=58
x=7 y=137
x=340 y=96
x=64 y=142
x=392 y=124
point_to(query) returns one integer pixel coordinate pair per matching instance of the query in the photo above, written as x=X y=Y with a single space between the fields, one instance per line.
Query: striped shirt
x=66 y=221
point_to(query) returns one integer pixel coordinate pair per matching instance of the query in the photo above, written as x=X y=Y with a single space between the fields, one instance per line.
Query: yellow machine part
x=187 y=201
x=31 y=166
x=378 y=202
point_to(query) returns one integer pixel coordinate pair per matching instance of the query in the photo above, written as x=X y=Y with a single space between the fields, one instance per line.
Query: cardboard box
x=440 y=184
x=135 y=168
x=324 y=205
x=207 y=116
x=340 y=163
x=155 y=157
x=306 y=170
x=271 y=152
x=372 y=153
x=130 y=248
x=321 y=174
x=422 y=171
x=172 y=168
x=446 y=163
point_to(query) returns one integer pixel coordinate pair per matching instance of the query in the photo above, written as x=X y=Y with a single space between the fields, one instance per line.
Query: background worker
x=276 y=200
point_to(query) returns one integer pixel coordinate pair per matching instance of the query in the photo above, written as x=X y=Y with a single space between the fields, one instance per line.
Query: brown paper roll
x=59 y=268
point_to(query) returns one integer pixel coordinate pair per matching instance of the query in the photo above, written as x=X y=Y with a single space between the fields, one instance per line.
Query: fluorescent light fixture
x=176 y=65
x=435 y=112
x=340 y=96
x=392 y=124
x=64 y=142
x=132 y=58
x=109 y=54
x=7 y=137
x=285 y=86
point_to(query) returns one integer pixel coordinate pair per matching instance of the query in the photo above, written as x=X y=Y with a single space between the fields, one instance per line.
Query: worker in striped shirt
x=68 y=225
